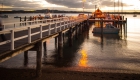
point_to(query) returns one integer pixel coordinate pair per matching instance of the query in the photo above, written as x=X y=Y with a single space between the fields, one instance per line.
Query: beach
x=61 y=74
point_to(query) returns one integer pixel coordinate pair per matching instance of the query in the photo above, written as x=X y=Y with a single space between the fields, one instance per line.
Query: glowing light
x=84 y=0
x=83 y=59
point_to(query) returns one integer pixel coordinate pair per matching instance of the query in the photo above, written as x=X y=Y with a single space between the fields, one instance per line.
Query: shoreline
x=66 y=74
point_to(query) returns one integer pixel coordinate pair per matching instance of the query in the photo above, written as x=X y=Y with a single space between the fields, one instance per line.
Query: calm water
x=89 y=51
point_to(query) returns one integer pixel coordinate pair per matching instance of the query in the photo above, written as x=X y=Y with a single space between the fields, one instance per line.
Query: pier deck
x=20 y=39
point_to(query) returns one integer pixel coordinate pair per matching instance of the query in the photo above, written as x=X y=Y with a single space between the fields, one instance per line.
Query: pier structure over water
x=32 y=35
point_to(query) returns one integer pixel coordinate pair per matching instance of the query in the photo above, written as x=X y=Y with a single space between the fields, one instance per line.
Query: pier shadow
x=69 y=53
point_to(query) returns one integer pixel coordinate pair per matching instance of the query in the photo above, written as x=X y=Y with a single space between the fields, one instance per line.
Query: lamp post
x=114 y=6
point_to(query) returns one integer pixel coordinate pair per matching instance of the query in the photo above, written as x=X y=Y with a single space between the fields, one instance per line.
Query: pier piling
x=70 y=37
x=25 y=58
x=101 y=23
x=56 y=41
x=45 y=46
x=60 y=45
x=63 y=37
x=76 y=33
x=38 y=59
x=126 y=28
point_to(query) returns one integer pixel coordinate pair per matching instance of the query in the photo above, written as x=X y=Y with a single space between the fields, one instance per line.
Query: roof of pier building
x=98 y=13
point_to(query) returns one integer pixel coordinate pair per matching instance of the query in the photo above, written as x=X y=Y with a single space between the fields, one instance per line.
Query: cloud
x=79 y=3
x=68 y=4
x=17 y=4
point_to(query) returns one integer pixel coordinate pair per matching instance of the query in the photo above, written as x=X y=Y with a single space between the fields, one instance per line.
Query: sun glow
x=83 y=59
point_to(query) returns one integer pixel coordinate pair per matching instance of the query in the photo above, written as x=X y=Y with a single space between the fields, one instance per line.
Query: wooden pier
x=33 y=36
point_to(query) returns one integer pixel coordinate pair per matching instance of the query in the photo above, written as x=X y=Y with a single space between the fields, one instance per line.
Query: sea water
x=113 y=52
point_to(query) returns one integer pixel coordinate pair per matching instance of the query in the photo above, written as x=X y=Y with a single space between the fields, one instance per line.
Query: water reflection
x=83 y=59
x=69 y=54
x=108 y=36
x=103 y=39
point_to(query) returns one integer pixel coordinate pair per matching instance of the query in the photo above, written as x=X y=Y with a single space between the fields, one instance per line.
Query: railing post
x=3 y=27
x=40 y=31
x=52 y=21
x=49 y=29
x=71 y=23
x=67 y=22
x=36 y=21
x=14 y=25
x=64 y=24
x=55 y=27
x=29 y=35
x=60 y=25
x=12 y=39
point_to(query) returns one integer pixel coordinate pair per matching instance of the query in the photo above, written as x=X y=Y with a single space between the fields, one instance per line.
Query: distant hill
x=58 y=11
x=42 y=11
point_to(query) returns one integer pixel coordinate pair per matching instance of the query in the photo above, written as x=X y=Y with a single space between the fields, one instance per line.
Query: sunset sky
x=70 y=5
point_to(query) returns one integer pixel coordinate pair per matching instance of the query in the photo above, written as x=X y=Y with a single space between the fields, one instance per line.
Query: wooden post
x=14 y=25
x=40 y=31
x=25 y=58
x=20 y=20
x=38 y=59
x=60 y=25
x=67 y=22
x=70 y=37
x=49 y=29
x=56 y=38
x=120 y=23
x=60 y=45
x=82 y=25
x=63 y=37
x=25 y=20
x=45 y=46
x=80 y=28
x=12 y=40
x=101 y=23
x=87 y=24
x=55 y=28
x=29 y=35
x=76 y=34
x=126 y=27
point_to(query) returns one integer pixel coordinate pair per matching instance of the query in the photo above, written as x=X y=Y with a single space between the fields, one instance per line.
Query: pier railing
x=28 y=25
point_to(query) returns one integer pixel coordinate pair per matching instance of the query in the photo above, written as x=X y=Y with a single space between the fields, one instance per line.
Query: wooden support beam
x=70 y=37
x=38 y=59
x=76 y=33
x=56 y=41
x=60 y=45
x=25 y=58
